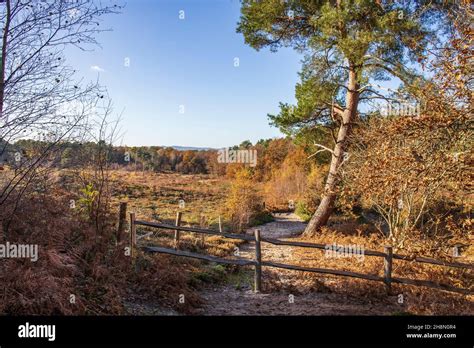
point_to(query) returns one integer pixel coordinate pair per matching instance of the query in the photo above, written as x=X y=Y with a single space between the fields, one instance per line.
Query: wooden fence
x=258 y=263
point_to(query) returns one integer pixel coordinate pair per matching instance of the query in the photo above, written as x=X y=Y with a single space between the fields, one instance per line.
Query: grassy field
x=156 y=196
x=156 y=281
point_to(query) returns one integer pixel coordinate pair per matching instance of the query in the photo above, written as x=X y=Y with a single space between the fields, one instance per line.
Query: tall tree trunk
x=326 y=207
x=3 y=58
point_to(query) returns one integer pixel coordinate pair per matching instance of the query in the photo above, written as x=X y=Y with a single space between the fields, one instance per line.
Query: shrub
x=302 y=211
x=244 y=205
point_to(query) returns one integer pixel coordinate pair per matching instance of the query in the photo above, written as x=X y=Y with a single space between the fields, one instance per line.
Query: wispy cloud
x=97 y=68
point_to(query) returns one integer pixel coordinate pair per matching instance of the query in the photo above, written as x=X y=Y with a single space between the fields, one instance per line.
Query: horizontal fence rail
x=196 y=230
x=240 y=262
x=432 y=261
x=373 y=253
x=258 y=263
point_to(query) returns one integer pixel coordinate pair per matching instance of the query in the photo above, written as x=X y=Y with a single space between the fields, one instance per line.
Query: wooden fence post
x=220 y=224
x=258 y=265
x=179 y=214
x=133 y=235
x=122 y=221
x=202 y=224
x=388 y=268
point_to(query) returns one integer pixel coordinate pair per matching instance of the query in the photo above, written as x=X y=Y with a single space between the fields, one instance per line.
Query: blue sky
x=188 y=63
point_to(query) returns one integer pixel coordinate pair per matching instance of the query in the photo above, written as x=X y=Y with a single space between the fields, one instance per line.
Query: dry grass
x=206 y=194
x=74 y=259
x=416 y=300
x=156 y=196
x=77 y=260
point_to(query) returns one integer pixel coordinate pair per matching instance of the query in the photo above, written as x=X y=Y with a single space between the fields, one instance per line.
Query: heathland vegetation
x=355 y=174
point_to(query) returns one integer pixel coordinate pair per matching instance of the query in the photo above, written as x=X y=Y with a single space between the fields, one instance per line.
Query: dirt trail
x=229 y=299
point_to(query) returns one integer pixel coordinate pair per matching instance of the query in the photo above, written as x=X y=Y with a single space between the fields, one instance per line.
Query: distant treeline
x=270 y=154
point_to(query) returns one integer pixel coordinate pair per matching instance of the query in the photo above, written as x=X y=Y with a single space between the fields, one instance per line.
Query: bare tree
x=41 y=97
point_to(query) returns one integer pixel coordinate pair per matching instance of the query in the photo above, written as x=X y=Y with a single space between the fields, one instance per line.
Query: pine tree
x=347 y=45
